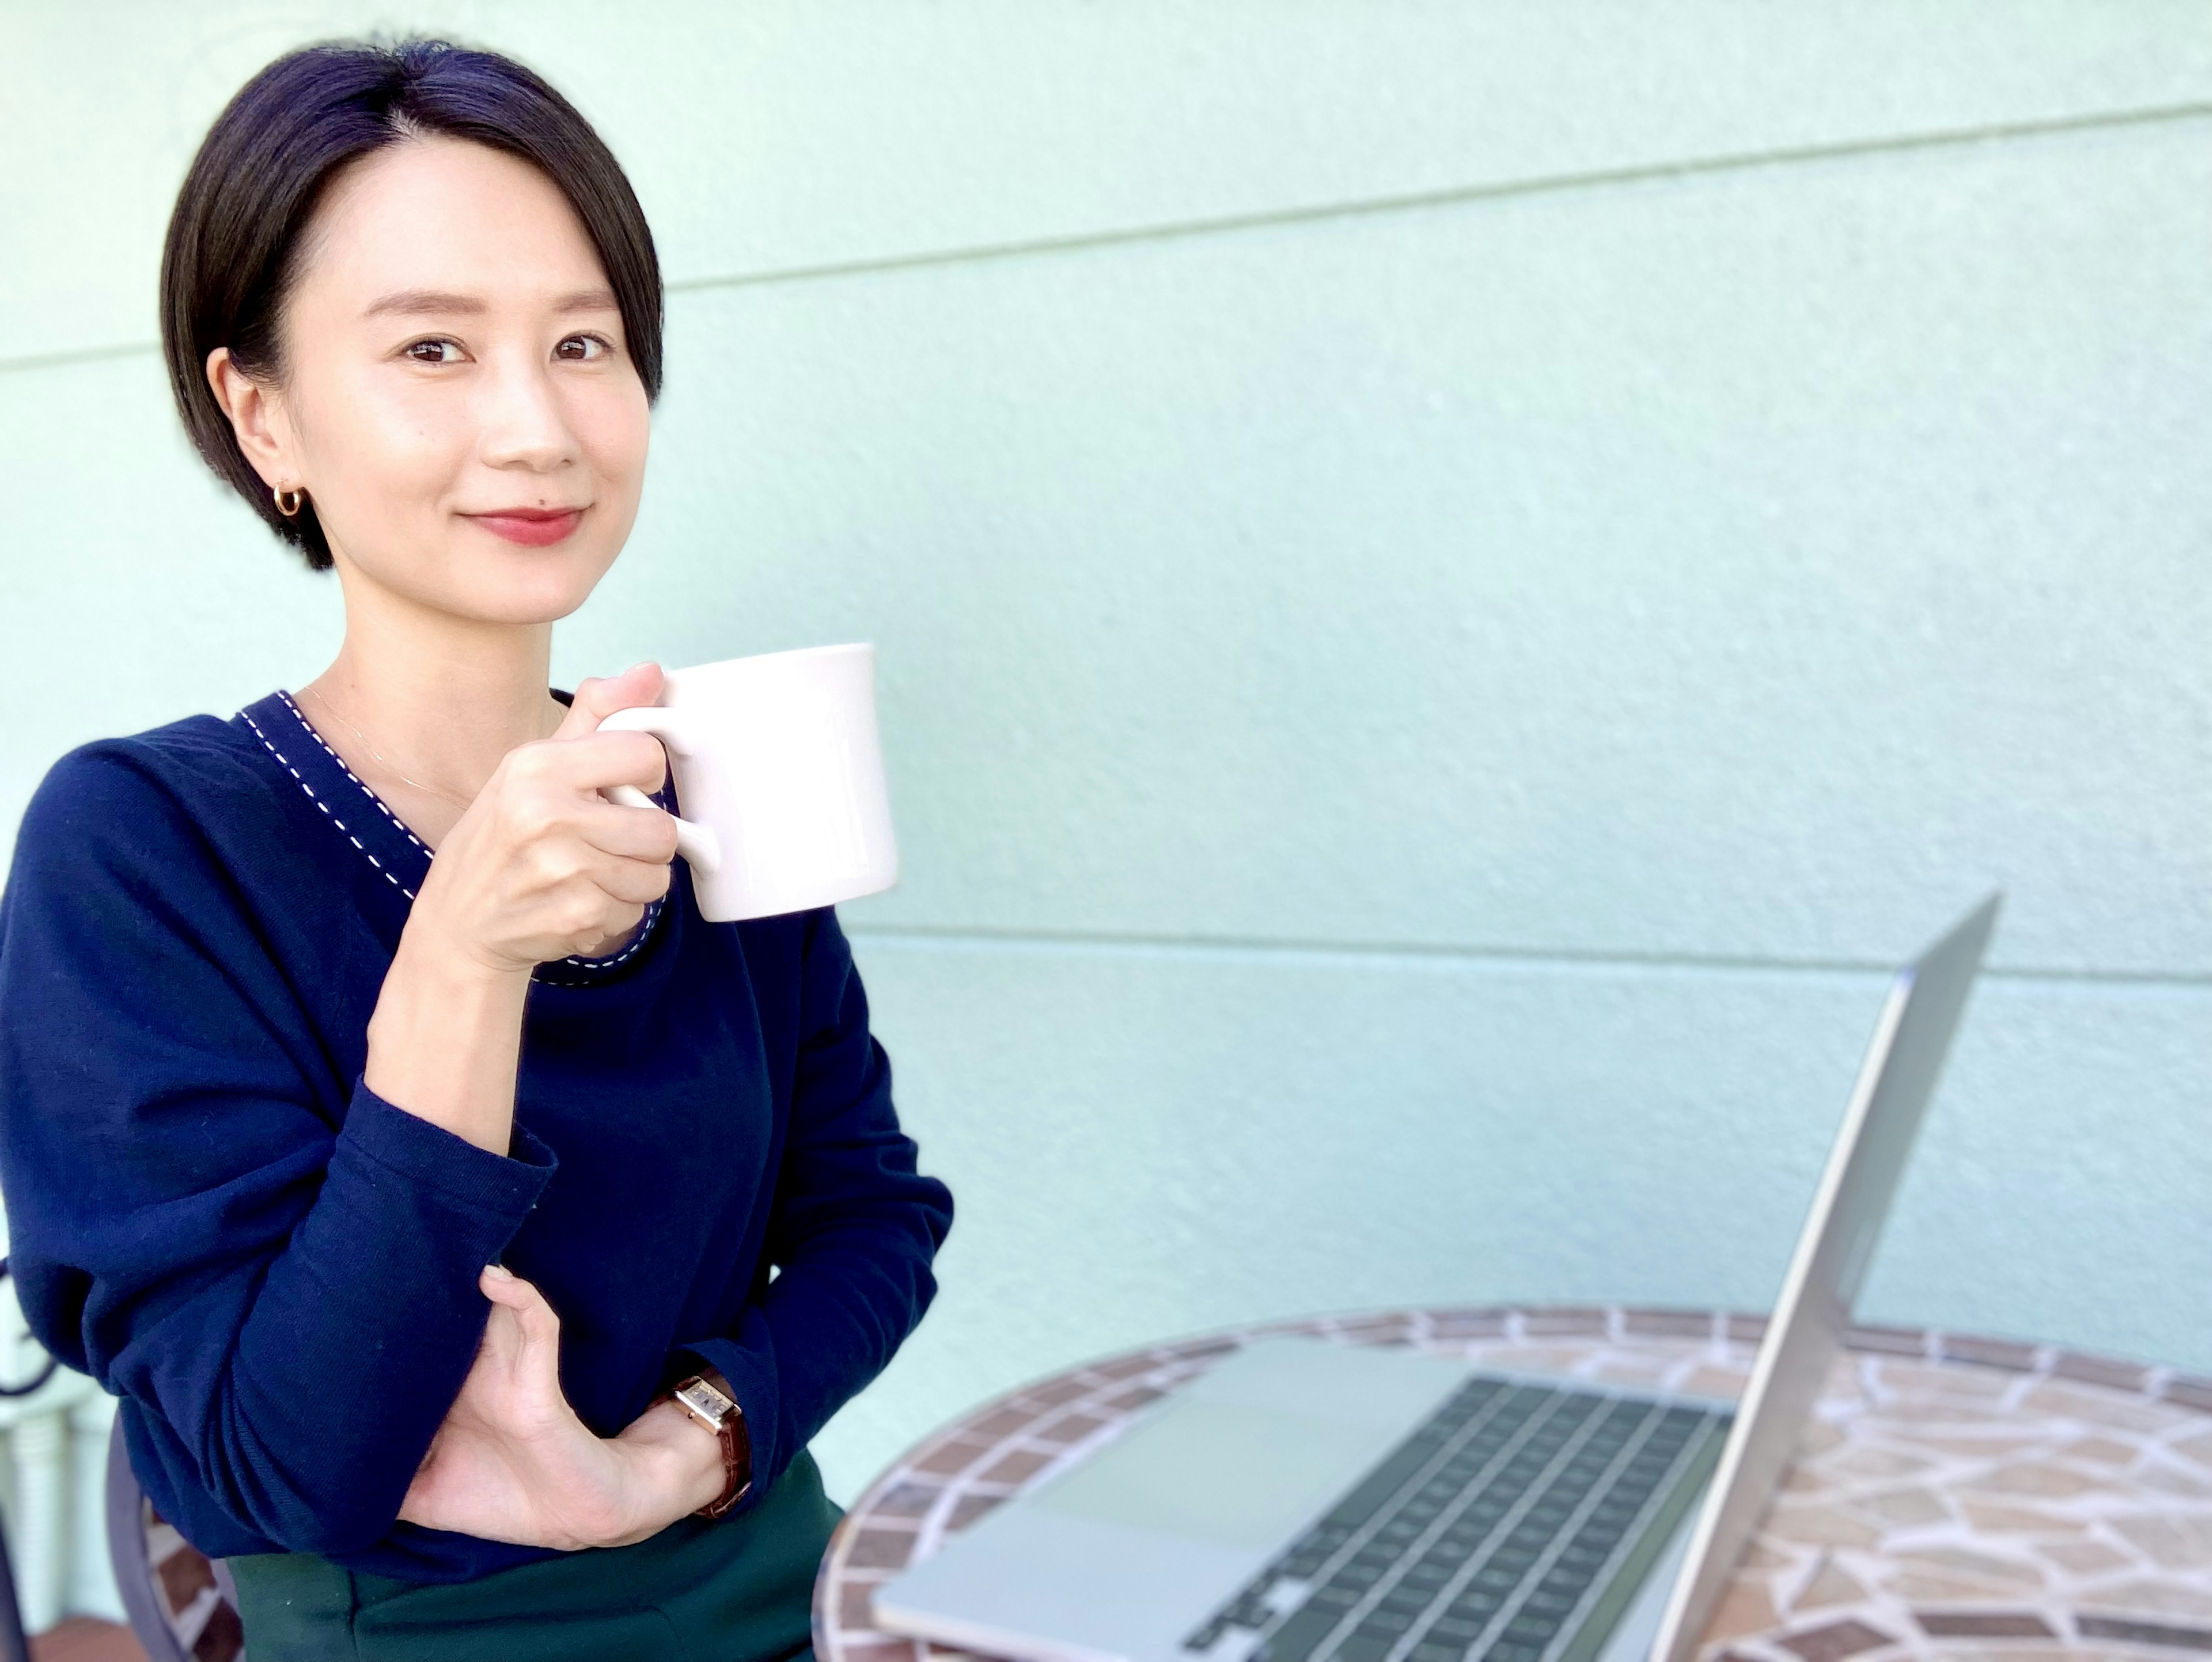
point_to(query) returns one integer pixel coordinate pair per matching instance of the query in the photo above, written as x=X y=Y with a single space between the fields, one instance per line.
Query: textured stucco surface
x=1452 y=583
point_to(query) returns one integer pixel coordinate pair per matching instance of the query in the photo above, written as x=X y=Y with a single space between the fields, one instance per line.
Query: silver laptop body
x=1305 y=1501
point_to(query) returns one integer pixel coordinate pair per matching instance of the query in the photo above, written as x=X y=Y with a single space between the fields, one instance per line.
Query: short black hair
x=233 y=244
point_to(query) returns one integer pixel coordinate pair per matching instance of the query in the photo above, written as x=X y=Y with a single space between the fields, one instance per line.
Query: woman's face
x=458 y=396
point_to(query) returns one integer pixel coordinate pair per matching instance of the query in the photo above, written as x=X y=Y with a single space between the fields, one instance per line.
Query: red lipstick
x=534 y=528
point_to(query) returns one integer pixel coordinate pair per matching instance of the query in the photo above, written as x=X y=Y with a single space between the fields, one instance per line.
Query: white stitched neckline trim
x=323 y=805
x=645 y=925
x=397 y=823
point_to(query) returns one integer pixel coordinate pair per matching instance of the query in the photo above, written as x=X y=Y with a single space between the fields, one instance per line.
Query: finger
x=503 y=1286
x=644 y=834
x=579 y=885
x=500 y=1285
x=502 y=1338
x=539 y=1325
x=538 y=1352
x=533 y=1339
x=596 y=699
x=577 y=908
x=593 y=761
x=618 y=883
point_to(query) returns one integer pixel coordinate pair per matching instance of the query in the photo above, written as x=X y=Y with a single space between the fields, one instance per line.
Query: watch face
x=703 y=1400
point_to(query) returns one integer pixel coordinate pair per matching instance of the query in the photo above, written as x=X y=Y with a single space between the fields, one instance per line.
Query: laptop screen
x=1865 y=1165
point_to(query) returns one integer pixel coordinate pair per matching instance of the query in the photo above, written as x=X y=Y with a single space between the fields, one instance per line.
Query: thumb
x=600 y=696
x=533 y=1347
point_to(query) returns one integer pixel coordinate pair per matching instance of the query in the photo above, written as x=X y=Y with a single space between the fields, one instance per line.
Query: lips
x=534 y=528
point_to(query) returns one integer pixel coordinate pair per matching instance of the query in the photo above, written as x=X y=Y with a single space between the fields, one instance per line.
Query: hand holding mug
x=542 y=864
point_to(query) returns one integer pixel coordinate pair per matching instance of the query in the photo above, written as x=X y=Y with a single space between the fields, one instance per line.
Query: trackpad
x=1229 y=1474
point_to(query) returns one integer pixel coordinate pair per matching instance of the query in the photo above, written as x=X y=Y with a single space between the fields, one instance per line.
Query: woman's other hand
x=513 y=1462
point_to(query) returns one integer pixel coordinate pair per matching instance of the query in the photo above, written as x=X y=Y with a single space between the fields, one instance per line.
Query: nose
x=520 y=423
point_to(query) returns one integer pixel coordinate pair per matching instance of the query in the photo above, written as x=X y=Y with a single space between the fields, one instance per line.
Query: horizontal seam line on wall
x=80 y=355
x=1359 y=208
x=1454 y=196
x=1200 y=946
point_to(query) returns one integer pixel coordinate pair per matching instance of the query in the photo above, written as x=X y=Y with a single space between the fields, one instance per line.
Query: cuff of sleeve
x=752 y=1381
x=506 y=1185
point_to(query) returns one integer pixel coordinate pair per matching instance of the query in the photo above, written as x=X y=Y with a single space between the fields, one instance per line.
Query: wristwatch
x=705 y=1402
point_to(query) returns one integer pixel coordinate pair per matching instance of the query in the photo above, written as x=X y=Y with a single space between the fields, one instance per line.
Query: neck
x=442 y=699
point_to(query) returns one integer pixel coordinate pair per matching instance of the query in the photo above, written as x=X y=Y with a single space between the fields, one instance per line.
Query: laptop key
x=1294 y=1641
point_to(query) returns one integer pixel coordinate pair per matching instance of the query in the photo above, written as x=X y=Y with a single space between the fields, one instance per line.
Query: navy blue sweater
x=276 y=1269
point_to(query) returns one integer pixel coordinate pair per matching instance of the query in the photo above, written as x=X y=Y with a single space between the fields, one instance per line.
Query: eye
x=583 y=348
x=434 y=350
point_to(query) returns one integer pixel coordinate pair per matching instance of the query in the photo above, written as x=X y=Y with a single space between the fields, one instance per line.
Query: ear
x=259 y=417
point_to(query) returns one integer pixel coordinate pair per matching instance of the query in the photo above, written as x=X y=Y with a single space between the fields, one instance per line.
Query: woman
x=305 y=1135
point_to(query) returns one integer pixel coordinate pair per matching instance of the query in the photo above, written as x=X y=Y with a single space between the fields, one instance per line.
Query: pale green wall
x=1452 y=580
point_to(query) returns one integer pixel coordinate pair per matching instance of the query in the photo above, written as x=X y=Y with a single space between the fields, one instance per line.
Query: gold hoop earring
x=289 y=509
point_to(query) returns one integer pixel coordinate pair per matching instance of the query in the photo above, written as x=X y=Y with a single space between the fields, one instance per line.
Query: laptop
x=1304 y=1501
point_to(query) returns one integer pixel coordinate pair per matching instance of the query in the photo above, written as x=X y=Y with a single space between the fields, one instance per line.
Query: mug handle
x=695 y=842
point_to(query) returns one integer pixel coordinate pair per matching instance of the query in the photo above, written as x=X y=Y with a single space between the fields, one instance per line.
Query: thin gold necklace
x=382 y=760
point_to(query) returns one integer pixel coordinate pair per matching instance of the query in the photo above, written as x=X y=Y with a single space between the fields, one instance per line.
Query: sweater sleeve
x=285 y=1281
x=851 y=1232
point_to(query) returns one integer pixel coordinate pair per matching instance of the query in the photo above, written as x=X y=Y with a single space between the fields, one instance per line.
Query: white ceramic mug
x=779 y=774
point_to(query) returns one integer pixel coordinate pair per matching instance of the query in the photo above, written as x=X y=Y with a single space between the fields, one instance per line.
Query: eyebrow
x=439 y=302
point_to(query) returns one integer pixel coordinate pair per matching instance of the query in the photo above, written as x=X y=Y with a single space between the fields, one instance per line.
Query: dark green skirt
x=738 y=1591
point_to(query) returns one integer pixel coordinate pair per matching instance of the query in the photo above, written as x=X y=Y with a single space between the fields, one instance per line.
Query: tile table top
x=1957 y=1497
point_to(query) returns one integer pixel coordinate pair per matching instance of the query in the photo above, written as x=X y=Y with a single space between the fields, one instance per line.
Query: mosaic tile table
x=1958 y=1497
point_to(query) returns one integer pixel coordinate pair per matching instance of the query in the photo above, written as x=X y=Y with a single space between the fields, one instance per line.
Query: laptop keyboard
x=1514 y=1526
